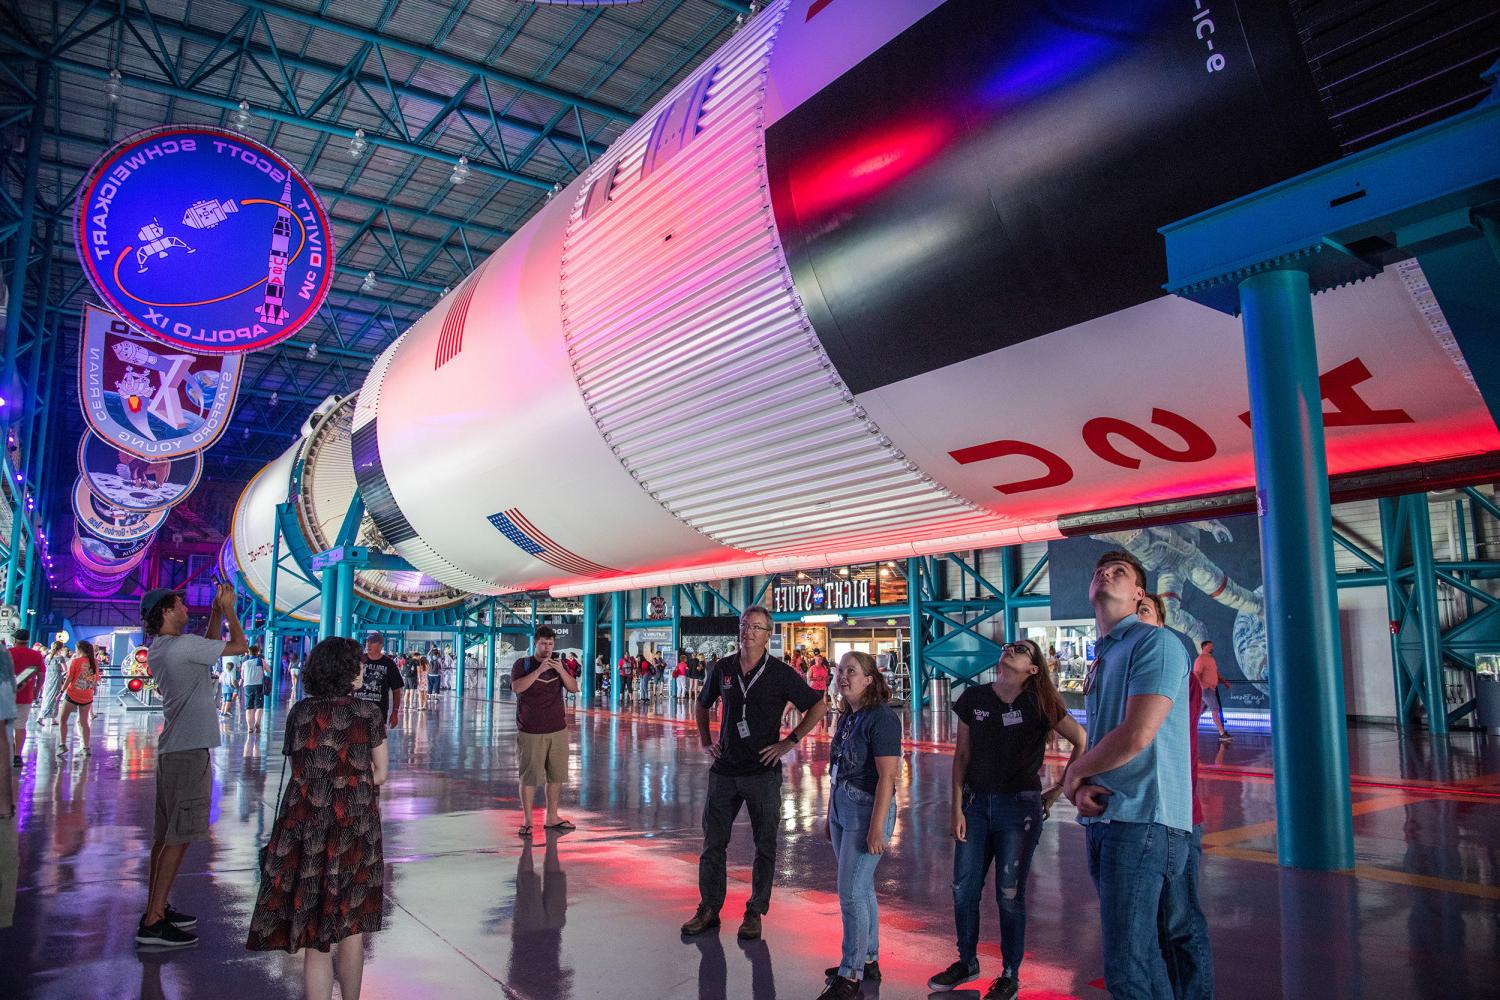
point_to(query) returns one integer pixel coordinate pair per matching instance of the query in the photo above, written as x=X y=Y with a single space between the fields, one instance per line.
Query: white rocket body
x=633 y=390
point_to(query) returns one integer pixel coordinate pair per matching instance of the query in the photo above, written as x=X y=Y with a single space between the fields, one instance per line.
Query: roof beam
x=325 y=23
x=313 y=124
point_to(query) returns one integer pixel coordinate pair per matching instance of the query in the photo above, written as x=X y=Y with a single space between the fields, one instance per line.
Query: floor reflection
x=474 y=912
x=537 y=921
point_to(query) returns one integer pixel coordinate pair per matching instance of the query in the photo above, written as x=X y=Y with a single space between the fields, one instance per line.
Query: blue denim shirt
x=860 y=738
x=1156 y=786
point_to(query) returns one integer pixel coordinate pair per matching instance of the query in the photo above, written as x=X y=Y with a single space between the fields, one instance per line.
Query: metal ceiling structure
x=432 y=131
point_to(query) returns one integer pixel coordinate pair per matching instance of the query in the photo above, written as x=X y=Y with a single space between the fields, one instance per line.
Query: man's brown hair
x=1121 y=556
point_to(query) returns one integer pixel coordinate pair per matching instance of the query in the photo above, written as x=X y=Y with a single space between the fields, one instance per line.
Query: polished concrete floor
x=472 y=912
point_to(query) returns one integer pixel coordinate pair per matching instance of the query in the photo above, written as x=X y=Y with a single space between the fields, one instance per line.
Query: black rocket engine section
x=999 y=170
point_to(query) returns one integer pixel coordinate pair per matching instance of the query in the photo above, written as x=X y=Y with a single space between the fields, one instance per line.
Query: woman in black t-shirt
x=999 y=805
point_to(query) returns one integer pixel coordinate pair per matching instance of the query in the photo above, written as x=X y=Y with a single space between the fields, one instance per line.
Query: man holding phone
x=538 y=681
x=181 y=663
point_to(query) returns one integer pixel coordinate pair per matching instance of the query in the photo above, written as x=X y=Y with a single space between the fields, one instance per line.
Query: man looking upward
x=1133 y=787
x=182 y=664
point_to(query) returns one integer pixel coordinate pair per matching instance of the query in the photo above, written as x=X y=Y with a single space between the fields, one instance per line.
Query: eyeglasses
x=1021 y=648
x=1091 y=675
x=754 y=628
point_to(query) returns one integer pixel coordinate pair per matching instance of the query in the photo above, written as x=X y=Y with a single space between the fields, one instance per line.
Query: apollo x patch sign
x=204 y=240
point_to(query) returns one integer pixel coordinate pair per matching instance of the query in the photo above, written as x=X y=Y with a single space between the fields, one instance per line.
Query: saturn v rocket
x=882 y=279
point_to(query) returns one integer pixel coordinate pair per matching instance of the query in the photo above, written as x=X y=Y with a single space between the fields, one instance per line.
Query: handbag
x=280 y=793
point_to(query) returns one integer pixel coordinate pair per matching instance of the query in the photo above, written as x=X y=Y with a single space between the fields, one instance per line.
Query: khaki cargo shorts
x=184 y=791
x=543 y=757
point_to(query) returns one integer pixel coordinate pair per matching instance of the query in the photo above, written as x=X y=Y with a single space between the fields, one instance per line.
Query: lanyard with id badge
x=743 y=727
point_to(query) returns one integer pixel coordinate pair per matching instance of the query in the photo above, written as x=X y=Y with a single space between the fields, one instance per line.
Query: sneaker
x=953 y=976
x=843 y=989
x=872 y=972
x=182 y=921
x=703 y=920
x=163 y=935
x=1004 y=988
x=62 y=751
x=750 y=927
x=1225 y=738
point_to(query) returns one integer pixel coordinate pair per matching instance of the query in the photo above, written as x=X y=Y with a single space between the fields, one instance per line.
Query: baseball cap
x=374 y=637
x=154 y=597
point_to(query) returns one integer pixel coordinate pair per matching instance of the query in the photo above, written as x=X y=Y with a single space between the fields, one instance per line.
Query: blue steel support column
x=1314 y=822
x=1010 y=573
x=328 y=606
x=460 y=662
x=590 y=645
x=676 y=626
x=344 y=580
x=616 y=647
x=1390 y=528
x=489 y=656
x=1424 y=589
x=273 y=641
x=914 y=613
x=9 y=382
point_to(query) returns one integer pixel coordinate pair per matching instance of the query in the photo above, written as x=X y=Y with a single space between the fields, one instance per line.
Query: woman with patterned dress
x=323 y=871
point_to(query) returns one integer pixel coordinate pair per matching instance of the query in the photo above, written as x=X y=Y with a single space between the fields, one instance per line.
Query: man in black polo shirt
x=755 y=688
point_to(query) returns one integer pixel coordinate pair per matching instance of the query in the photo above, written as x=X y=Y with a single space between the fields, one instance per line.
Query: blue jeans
x=1003 y=829
x=1132 y=865
x=1184 y=931
x=849 y=814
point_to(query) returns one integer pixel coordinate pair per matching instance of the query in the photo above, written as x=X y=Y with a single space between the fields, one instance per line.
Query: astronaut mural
x=1208 y=573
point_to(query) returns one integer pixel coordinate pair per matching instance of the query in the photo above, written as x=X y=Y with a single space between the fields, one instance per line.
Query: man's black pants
x=761 y=793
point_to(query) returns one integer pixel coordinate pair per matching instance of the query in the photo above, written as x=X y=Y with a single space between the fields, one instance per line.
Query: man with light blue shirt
x=1133 y=788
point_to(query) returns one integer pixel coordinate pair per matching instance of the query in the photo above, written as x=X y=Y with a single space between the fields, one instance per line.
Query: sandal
x=561 y=824
x=525 y=832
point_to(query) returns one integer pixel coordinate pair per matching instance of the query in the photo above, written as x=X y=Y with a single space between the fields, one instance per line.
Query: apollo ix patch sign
x=204 y=240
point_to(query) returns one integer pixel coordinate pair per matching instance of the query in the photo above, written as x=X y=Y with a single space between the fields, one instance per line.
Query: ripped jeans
x=1003 y=829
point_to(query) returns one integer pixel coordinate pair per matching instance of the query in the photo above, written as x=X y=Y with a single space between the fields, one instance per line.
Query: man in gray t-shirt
x=182 y=667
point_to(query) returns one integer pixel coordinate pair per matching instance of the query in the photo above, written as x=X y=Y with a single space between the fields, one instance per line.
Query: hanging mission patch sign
x=204 y=240
x=152 y=401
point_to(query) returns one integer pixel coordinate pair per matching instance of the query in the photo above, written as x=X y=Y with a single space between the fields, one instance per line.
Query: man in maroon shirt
x=25 y=659
x=538 y=681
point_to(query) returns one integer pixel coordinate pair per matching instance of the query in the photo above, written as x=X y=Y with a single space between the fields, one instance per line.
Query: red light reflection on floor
x=802 y=922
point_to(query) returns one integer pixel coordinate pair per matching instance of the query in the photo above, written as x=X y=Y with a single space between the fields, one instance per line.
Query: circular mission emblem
x=204 y=240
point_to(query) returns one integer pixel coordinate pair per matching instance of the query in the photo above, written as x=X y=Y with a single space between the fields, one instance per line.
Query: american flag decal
x=514 y=526
x=451 y=340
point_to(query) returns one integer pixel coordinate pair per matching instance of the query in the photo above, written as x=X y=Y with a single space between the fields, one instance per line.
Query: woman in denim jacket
x=863 y=767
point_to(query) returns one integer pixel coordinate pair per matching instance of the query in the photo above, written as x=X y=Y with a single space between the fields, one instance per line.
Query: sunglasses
x=1021 y=648
x=1091 y=675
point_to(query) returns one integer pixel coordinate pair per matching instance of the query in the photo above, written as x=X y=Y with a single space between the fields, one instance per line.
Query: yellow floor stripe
x=1373 y=874
x=1253 y=831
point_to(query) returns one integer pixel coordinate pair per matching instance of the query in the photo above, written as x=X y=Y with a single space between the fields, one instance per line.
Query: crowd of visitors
x=1131 y=777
